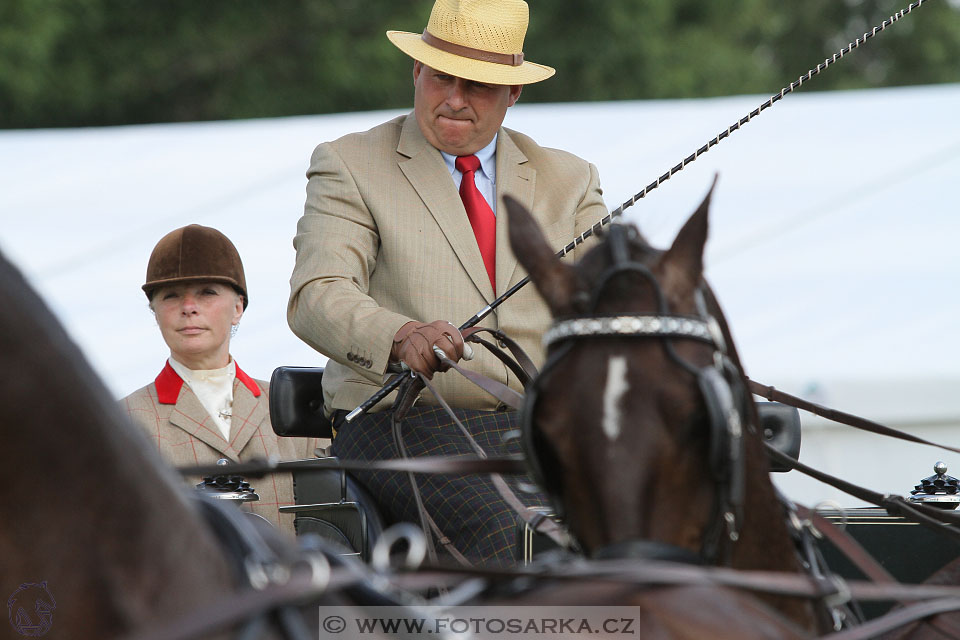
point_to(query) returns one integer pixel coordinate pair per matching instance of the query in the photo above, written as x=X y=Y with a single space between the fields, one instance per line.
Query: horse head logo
x=30 y=609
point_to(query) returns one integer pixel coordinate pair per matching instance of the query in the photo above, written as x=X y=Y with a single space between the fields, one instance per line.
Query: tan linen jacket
x=384 y=239
x=184 y=433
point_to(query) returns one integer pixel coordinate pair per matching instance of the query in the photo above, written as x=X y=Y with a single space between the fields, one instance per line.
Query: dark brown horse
x=642 y=431
x=98 y=539
x=89 y=511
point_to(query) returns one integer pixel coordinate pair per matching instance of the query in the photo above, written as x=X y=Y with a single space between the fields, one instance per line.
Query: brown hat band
x=512 y=59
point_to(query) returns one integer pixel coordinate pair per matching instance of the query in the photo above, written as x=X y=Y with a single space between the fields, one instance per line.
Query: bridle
x=720 y=384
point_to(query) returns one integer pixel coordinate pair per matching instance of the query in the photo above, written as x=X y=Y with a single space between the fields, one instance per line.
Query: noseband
x=720 y=384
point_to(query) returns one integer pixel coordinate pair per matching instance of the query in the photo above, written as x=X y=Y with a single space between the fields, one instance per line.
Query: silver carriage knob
x=939 y=490
x=222 y=462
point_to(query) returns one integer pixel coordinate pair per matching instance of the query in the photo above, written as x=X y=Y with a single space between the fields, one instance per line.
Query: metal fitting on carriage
x=731 y=521
x=262 y=574
x=381 y=559
x=939 y=490
x=313 y=549
x=828 y=504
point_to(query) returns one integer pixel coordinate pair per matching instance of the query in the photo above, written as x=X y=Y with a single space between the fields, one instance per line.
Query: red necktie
x=481 y=216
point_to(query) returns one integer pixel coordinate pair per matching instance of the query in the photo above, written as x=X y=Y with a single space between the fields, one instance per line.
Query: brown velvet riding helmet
x=192 y=253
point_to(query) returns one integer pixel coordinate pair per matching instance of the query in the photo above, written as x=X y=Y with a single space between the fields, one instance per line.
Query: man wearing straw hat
x=404 y=237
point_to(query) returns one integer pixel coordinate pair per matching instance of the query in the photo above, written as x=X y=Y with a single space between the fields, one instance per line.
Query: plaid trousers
x=467 y=509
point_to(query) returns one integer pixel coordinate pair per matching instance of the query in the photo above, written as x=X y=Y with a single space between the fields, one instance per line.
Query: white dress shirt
x=485 y=178
x=214 y=389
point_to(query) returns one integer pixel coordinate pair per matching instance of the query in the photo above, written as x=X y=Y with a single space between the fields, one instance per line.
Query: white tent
x=833 y=240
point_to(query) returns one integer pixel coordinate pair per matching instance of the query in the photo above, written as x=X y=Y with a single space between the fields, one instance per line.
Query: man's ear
x=514 y=94
x=417 y=67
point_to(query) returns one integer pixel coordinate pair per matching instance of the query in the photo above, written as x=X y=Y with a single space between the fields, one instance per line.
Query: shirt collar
x=209 y=376
x=487 y=157
x=168 y=384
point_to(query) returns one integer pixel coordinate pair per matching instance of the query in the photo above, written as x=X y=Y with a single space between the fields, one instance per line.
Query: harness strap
x=407 y=395
x=898 y=618
x=425 y=464
x=408 y=392
x=446 y=542
x=535 y=520
x=647 y=550
x=256 y=565
x=775 y=395
x=299 y=589
x=653 y=573
x=528 y=370
x=847 y=545
x=895 y=505
x=234 y=608
x=495 y=388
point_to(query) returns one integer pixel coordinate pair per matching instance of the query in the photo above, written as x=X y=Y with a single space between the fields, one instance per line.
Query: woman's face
x=195 y=319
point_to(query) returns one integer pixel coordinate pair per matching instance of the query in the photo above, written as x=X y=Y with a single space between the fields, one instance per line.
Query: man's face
x=456 y=115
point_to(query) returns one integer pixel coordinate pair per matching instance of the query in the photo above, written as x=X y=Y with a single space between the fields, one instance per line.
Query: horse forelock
x=627 y=291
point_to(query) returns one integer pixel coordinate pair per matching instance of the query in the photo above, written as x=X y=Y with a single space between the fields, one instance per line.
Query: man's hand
x=413 y=345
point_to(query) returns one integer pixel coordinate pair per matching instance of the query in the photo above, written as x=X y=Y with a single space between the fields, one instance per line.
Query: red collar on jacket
x=168 y=384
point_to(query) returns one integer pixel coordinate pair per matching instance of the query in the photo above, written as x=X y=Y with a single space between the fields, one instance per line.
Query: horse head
x=639 y=424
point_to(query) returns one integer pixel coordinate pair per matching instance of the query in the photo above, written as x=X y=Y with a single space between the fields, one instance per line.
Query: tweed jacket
x=184 y=433
x=384 y=239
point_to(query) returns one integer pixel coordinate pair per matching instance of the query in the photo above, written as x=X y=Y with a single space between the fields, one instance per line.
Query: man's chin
x=455 y=137
x=459 y=146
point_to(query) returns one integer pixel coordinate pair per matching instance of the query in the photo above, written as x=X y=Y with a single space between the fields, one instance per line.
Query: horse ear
x=683 y=262
x=555 y=281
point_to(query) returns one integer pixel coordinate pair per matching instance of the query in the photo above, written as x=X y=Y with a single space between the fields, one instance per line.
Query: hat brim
x=476 y=70
x=149 y=287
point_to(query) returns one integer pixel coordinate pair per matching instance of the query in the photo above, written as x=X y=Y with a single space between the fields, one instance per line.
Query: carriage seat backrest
x=296 y=403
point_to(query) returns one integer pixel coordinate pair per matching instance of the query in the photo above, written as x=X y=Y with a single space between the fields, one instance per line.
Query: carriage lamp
x=938 y=490
x=228 y=487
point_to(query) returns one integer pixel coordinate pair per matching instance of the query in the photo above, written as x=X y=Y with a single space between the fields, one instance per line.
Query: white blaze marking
x=612 y=393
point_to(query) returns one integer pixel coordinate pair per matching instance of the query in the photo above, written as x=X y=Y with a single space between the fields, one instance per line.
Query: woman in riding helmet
x=202 y=407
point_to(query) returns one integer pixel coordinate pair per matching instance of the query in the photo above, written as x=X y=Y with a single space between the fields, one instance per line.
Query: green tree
x=100 y=62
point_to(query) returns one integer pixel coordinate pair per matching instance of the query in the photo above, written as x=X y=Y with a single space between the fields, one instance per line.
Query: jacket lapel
x=248 y=413
x=424 y=167
x=190 y=416
x=517 y=179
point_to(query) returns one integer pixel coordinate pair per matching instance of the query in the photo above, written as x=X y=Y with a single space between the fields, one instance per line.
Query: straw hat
x=479 y=40
x=194 y=253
